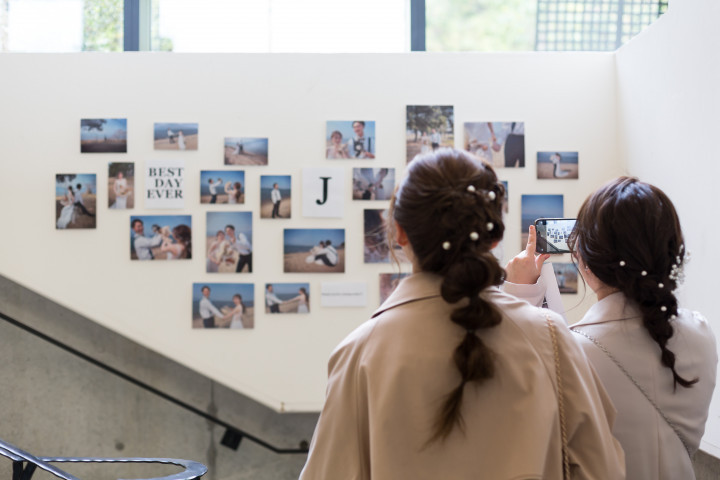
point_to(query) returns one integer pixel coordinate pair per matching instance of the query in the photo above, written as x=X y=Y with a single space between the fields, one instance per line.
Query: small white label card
x=343 y=294
x=323 y=192
x=165 y=184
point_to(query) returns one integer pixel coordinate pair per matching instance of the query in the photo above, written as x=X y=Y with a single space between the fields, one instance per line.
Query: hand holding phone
x=552 y=234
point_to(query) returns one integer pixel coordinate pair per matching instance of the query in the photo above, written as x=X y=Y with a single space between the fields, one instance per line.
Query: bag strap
x=637 y=384
x=560 y=398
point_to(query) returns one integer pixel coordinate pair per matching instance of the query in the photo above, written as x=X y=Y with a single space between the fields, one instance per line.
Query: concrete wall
x=667 y=84
x=567 y=101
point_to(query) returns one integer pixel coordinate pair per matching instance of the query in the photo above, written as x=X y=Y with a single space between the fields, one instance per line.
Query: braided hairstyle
x=450 y=206
x=628 y=235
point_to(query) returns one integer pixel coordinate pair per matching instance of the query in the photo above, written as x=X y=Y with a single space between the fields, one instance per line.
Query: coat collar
x=614 y=307
x=417 y=286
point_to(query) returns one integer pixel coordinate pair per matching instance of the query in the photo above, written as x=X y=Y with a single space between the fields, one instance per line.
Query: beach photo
x=75 y=200
x=314 y=250
x=246 y=151
x=287 y=298
x=176 y=136
x=223 y=305
x=121 y=185
x=275 y=195
x=538 y=206
x=350 y=139
x=501 y=144
x=557 y=165
x=567 y=277
x=228 y=242
x=373 y=183
x=160 y=237
x=429 y=127
x=388 y=284
x=222 y=186
x=375 y=244
x=103 y=135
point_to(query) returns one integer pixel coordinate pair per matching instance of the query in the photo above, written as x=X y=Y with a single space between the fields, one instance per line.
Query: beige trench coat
x=653 y=451
x=388 y=378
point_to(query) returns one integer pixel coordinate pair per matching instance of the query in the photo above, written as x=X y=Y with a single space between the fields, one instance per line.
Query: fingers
x=530 y=249
x=540 y=259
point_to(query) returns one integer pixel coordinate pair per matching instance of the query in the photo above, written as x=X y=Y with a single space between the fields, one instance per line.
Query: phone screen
x=553 y=234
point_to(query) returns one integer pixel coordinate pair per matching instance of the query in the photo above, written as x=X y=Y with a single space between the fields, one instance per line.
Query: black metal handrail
x=232 y=431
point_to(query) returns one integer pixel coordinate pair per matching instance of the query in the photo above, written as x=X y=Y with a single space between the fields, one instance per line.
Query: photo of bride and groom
x=223 y=305
x=168 y=237
x=75 y=200
x=176 y=136
x=314 y=250
x=229 y=242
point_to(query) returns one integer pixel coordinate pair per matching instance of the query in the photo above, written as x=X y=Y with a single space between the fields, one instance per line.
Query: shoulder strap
x=602 y=348
x=560 y=398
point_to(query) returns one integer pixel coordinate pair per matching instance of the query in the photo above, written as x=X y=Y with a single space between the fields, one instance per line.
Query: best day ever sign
x=165 y=184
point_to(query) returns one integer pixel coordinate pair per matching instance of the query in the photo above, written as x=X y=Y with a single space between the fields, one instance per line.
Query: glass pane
x=280 y=26
x=61 y=25
x=480 y=25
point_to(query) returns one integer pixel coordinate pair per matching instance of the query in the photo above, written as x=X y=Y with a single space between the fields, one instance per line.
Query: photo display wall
x=317 y=187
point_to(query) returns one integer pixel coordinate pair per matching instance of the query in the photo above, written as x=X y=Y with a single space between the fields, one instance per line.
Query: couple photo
x=350 y=139
x=501 y=144
x=246 y=151
x=75 y=201
x=223 y=305
x=222 y=186
x=429 y=127
x=287 y=298
x=176 y=136
x=229 y=242
x=169 y=237
x=309 y=250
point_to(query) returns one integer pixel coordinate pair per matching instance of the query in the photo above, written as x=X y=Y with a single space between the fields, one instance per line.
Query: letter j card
x=323 y=192
x=165 y=184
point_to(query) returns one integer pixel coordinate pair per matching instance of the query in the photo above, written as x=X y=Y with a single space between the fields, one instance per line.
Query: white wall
x=567 y=101
x=667 y=83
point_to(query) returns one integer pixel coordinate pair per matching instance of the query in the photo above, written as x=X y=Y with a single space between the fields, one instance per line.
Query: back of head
x=628 y=235
x=450 y=206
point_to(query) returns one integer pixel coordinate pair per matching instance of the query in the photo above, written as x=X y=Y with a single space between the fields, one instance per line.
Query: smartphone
x=552 y=234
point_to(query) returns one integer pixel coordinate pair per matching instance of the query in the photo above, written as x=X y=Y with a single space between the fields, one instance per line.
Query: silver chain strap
x=639 y=387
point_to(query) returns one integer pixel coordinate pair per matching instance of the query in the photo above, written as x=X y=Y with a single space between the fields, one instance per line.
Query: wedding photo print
x=222 y=186
x=121 y=185
x=246 y=151
x=314 y=250
x=567 y=277
x=103 y=135
x=350 y=139
x=229 y=242
x=501 y=144
x=533 y=207
x=275 y=195
x=376 y=248
x=287 y=298
x=160 y=237
x=561 y=165
x=429 y=127
x=223 y=305
x=75 y=200
x=176 y=136
x=373 y=183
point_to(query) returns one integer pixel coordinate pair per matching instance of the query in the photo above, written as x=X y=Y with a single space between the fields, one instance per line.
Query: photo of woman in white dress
x=121 y=179
x=181 y=247
x=67 y=214
x=75 y=200
x=236 y=314
x=121 y=191
x=181 y=140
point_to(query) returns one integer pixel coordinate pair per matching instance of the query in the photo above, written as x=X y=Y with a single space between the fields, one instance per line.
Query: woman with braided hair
x=452 y=378
x=658 y=362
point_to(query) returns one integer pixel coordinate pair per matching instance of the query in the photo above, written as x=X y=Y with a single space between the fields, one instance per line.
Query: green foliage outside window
x=103 y=22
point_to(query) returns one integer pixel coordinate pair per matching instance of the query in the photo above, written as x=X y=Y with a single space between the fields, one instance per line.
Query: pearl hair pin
x=490 y=226
x=622 y=263
x=643 y=273
x=471 y=188
x=446 y=245
x=474 y=236
x=491 y=195
x=663 y=308
x=661 y=285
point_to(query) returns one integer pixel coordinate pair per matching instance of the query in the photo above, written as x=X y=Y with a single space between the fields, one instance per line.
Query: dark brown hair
x=635 y=223
x=452 y=196
x=183 y=235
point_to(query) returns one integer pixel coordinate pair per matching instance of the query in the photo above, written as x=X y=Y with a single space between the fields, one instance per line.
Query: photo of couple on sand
x=557 y=165
x=287 y=298
x=350 y=139
x=314 y=250
x=223 y=305
x=222 y=186
x=176 y=136
x=121 y=186
x=275 y=191
x=103 y=135
x=161 y=237
x=246 y=151
x=75 y=200
x=229 y=242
